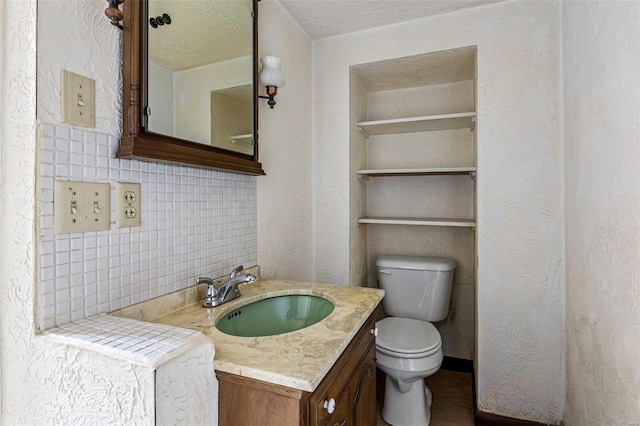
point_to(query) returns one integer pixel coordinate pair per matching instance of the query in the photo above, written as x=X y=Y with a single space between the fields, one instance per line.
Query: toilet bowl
x=407 y=351
x=408 y=345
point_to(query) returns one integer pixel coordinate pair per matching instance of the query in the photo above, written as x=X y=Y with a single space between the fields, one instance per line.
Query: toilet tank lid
x=420 y=263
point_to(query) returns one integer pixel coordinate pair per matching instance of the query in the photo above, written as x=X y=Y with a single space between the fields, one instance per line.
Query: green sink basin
x=276 y=315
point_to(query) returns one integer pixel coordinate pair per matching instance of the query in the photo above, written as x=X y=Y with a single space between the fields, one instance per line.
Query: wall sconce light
x=271 y=77
x=114 y=14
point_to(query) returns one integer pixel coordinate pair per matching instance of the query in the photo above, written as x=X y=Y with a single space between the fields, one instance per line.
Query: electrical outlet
x=128 y=205
x=81 y=207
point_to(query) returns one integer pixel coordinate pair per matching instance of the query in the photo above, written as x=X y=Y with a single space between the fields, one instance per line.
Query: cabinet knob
x=330 y=405
x=374 y=331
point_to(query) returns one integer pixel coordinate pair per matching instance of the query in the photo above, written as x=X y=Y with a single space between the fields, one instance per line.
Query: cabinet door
x=363 y=390
x=341 y=415
x=344 y=381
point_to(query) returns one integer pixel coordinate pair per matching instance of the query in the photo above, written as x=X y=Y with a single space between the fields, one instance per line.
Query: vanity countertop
x=299 y=359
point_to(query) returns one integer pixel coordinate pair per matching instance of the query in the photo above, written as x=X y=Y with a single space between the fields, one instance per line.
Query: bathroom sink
x=275 y=315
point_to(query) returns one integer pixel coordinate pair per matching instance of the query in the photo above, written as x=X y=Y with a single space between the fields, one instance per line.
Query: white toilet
x=408 y=346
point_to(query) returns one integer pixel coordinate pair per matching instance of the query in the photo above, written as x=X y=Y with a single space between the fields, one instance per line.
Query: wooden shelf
x=418 y=124
x=417 y=172
x=245 y=139
x=464 y=223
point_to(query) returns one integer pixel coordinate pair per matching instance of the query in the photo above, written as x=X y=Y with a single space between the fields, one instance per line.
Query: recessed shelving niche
x=413 y=169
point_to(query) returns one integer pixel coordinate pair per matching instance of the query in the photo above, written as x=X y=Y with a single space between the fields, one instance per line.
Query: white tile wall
x=195 y=222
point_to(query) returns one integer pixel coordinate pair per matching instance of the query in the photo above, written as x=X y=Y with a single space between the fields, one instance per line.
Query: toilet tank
x=416 y=287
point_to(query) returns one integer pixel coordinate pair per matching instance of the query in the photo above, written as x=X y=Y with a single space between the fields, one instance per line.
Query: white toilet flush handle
x=374 y=331
x=385 y=271
x=330 y=405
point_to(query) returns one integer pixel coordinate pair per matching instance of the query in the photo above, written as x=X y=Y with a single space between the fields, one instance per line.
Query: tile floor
x=452 y=398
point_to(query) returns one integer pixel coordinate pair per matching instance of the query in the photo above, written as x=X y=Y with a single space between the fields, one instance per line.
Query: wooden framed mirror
x=204 y=132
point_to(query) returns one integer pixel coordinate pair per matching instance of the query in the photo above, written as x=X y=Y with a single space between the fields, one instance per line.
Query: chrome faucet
x=228 y=291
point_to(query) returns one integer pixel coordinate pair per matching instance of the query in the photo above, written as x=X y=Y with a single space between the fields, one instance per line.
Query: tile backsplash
x=195 y=222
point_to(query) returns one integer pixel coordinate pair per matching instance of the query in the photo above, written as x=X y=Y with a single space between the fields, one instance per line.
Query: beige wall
x=358 y=234
x=519 y=185
x=232 y=115
x=161 y=97
x=601 y=48
x=192 y=100
x=285 y=237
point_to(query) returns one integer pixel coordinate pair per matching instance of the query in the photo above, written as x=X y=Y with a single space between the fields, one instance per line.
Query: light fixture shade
x=271 y=74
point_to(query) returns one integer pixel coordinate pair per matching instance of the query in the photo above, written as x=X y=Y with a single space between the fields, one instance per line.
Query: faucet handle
x=211 y=298
x=204 y=280
x=236 y=270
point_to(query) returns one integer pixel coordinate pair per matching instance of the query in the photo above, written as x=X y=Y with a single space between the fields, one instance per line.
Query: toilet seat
x=407 y=338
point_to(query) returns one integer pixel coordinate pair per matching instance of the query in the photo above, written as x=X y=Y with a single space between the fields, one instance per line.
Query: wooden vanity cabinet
x=350 y=384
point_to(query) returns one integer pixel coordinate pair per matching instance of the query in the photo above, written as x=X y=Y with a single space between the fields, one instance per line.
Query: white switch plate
x=77 y=99
x=81 y=207
x=128 y=205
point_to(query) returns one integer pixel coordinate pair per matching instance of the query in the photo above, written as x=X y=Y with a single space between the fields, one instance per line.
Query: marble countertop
x=299 y=359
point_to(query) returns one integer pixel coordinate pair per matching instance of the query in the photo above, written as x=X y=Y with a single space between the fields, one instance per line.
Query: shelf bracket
x=472 y=127
x=363 y=132
x=472 y=175
x=363 y=177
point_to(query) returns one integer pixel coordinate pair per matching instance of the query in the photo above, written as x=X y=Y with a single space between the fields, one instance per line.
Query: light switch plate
x=128 y=205
x=77 y=95
x=81 y=207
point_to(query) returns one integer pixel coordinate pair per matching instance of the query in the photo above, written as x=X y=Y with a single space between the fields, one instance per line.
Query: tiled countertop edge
x=137 y=342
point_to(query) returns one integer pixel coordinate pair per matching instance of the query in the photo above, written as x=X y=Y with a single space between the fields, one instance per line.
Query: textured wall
x=17 y=189
x=358 y=234
x=3 y=12
x=77 y=40
x=70 y=386
x=601 y=47
x=186 y=387
x=285 y=237
x=519 y=185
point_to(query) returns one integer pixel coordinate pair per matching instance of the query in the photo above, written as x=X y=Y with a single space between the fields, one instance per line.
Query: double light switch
x=81 y=207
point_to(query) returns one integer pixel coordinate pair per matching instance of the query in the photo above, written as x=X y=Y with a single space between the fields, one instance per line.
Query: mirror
x=190 y=83
x=200 y=72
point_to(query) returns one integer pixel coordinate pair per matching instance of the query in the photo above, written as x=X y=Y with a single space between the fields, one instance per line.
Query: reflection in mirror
x=200 y=72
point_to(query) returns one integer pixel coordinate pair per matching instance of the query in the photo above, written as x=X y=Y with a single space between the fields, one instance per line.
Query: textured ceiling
x=326 y=18
x=205 y=31
x=201 y=32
